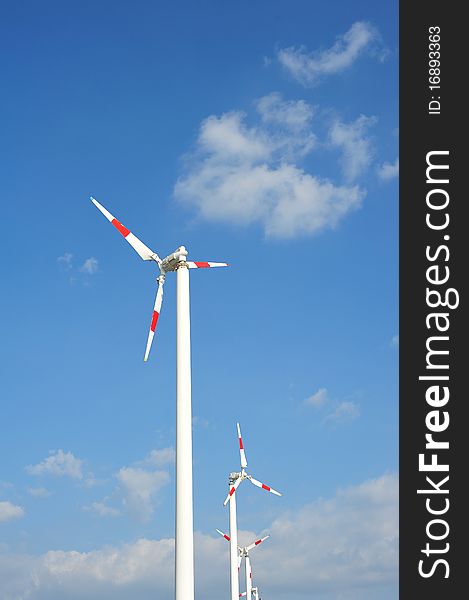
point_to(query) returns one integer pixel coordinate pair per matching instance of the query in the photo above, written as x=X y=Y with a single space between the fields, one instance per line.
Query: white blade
x=205 y=265
x=242 y=595
x=256 y=543
x=244 y=462
x=142 y=250
x=154 y=318
x=240 y=558
x=227 y=537
x=263 y=486
x=232 y=490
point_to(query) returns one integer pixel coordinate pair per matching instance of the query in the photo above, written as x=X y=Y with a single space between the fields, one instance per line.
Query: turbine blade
x=227 y=537
x=240 y=558
x=232 y=490
x=242 y=454
x=139 y=247
x=256 y=543
x=154 y=318
x=263 y=486
x=205 y=265
x=242 y=595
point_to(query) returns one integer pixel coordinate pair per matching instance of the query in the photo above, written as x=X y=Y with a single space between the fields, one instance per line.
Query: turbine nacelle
x=174 y=260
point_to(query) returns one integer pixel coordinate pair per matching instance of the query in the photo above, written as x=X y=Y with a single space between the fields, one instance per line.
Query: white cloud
x=344 y=411
x=289 y=124
x=246 y=175
x=318 y=399
x=90 y=266
x=159 y=458
x=39 y=492
x=102 y=509
x=309 y=68
x=343 y=547
x=139 y=488
x=65 y=261
x=388 y=171
x=9 y=511
x=356 y=148
x=336 y=545
x=59 y=464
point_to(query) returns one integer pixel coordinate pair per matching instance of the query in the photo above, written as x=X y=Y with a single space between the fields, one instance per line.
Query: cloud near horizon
x=345 y=546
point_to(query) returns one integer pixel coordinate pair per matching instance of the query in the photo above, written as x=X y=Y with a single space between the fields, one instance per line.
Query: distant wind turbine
x=234 y=481
x=244 y=553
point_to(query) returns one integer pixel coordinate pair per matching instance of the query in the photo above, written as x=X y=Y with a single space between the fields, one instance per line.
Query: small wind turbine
x=234 y=481
x=184 y=572
x=244 y=553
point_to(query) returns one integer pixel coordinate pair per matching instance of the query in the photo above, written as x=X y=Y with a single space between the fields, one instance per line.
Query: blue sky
x=263 y=134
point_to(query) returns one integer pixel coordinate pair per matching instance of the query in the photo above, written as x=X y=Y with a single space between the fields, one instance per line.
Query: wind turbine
x=184 y=572
x=244 y=553
x=234 y=481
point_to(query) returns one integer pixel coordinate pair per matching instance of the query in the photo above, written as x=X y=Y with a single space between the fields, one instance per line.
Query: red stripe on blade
x=125 y=232
x=227 y=537
x=258 y=542
x=266 y=487
x=154 y=320
x=202 y=265
x=232 y=491
x=241 y=444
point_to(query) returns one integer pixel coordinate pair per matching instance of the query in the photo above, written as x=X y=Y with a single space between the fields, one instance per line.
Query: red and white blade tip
x=205 y=265
x=264 y=487
x=154 y=319
x=257 y=542
x=242 y=454
x=142 y=250
x=227 y=537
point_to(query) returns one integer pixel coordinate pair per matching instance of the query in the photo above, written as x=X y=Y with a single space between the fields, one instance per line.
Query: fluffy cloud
x=344 y=411
x=351 y=139
x=139 y=488
x=245 y=175
x=9 y=511
x=102 y=509
x=341 y=547
x=90 y=266
x=159 y=458
x=333 y=411
x=65 y=261
x=59 y=464
x=389 y=171
x=309 y=68
x=318 y=398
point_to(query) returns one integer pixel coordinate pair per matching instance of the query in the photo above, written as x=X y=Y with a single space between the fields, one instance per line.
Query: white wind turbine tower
x=244 y=553
x=184 y=572
x=234 y=481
